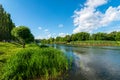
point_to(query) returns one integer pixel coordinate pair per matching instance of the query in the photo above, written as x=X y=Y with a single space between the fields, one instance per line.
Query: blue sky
x=50 y=18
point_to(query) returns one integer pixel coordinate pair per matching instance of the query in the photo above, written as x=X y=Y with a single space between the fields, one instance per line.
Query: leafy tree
x=99 y=36
x=43 y=41
x=58 y=39
x=67 y=38
x=112 y=36
x=81 y=36
x=51 y=40
x=117 y=38
x=6 y=25
x=74 y=37
x=23 y=34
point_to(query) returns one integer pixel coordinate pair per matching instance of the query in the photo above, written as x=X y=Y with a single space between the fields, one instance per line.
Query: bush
x=34 y=63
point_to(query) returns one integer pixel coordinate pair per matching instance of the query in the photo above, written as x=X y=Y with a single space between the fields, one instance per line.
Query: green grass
x=95 y=43
x=6 y=51
x=32 y=62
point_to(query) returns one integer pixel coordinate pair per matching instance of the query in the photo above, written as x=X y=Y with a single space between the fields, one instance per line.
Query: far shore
x=90 y=43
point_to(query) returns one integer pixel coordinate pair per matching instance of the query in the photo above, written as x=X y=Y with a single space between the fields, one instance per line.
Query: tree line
x=84 y=36
x=8 y=31
x=6 y=25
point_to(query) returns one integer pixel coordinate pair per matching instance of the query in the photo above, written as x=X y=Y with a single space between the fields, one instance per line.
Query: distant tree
x=58 y=39
x=81 y=36
x=117 y=38
x=99 y=36
x=6 y=25
x=23 y=34
x=85 y=36
x=43 y=41
x=112 y=36
x=37 y=40
x=67 y=38
x=74 y=37
x=51 y=40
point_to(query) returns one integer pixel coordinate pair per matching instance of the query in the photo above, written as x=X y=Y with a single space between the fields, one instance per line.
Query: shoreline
x=90 y=43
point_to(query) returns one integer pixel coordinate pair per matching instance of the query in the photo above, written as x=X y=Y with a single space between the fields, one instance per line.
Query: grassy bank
x=95 y=43
x=91 y=43
x=32 y=62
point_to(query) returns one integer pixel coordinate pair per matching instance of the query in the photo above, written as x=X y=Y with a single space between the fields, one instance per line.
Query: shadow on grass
x=1 y=53
x=3 y=60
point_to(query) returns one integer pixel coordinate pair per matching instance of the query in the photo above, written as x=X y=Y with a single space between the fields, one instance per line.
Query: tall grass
x=31 y=63
x=95 y=43
x=7 y=50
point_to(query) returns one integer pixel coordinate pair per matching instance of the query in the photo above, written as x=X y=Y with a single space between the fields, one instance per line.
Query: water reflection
x=93 y=63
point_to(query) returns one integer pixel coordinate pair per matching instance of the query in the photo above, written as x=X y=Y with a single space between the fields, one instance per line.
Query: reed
x=35 y=62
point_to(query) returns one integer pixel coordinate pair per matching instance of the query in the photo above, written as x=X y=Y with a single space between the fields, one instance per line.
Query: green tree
x=58 y=39
x=117 y=38
x=51 y=40
x=81 y=36
x=67 y=38
x=73 y=37
x=99 y=36
x=23 y=34
x=112 y=36
x=6 y=25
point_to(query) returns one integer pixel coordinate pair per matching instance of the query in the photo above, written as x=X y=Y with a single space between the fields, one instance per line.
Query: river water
x=93 y=63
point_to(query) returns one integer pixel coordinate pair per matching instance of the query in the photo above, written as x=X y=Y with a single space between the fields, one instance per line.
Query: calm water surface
x=93 y=63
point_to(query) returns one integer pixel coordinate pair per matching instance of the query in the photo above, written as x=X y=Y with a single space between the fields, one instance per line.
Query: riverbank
x=91 y=43
x=31 y=63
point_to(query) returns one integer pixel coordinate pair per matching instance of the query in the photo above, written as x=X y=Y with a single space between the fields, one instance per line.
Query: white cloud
x=62 y=34
x=89 y=18
x=46 y=30
x=39 y=37
x=49 y=35
x=60 y=25
x=40 y=28
x=111 y=14
x=45 y=34
x=95 y=3
x=17 y=26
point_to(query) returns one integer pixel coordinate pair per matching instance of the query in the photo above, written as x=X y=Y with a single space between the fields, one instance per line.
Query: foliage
x=112 y=36
x=95 y=43
x=67 y=38
x=6 y=25
x=31 y=63
x=84 y=36
x=23 y=34
x=6 y=51
x=117 y=36
x=99 y=36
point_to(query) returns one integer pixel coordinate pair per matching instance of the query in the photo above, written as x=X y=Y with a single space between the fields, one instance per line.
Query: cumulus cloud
x=60 y=25
x=40 y=28
x=51 y=35
x=62 y=34
x=45 y=34
x=89 y=18
x=95 y=3
x=46 y=30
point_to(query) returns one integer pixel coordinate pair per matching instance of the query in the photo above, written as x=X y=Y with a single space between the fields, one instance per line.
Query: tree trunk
x=23 y=45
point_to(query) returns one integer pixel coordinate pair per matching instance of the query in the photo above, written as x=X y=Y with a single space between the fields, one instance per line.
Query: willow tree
x=23 y=34
x=6 y=25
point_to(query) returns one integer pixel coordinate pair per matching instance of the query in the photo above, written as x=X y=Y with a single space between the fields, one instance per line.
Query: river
x=93 y=63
